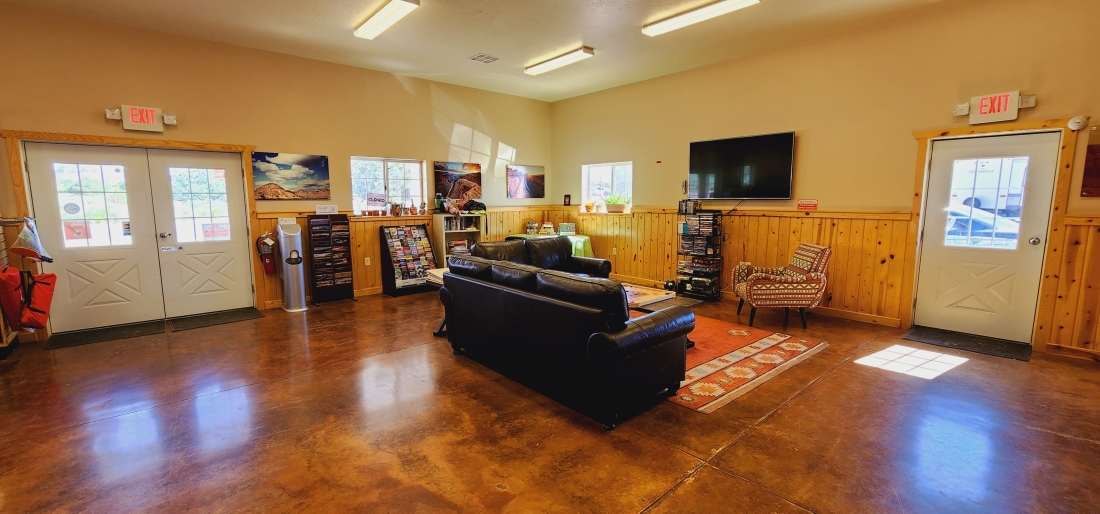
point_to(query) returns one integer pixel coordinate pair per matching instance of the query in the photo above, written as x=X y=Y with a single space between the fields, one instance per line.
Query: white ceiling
x=436 y=40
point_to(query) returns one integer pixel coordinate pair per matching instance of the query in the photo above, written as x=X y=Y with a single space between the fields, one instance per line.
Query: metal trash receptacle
x=293 y=267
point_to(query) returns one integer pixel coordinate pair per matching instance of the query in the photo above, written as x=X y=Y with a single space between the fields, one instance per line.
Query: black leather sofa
x=565 y=335
x=554 y=253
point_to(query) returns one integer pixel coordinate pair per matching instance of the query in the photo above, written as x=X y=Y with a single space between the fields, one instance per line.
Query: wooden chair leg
x=752 y=315
x=802 y=315
x=740 y=304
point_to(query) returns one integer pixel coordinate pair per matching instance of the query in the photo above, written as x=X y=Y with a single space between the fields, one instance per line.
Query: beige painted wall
x=62 y=72
x=854 y=100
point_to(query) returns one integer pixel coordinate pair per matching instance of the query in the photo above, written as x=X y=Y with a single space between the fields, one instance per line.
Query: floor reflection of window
x=954 y=458
x=224 y=419
x=911 y=361
x=127 y=446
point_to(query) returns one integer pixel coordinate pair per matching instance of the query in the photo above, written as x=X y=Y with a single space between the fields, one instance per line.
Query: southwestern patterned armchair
x=800 y=284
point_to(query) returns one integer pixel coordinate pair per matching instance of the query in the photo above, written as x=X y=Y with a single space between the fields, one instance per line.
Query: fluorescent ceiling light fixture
x=911 y=361
x=389 y=14
x=565 y=59
x=694 y=16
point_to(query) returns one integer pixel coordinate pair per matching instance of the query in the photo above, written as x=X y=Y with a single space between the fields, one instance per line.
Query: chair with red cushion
x=800 y=284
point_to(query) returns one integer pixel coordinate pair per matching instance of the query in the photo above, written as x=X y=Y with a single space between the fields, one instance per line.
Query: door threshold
x=99 y=335
x=970 y=342
x=210 y=319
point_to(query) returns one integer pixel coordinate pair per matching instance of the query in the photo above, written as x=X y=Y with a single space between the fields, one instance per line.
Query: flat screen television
x=740 y=168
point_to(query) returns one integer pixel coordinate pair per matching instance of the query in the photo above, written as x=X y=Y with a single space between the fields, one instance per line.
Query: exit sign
x=995 y=107
x=136 y=117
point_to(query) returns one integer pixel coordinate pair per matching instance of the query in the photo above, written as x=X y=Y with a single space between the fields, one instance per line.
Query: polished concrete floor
x=356 y=407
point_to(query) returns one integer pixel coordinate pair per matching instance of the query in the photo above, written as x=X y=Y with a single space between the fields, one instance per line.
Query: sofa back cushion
x=510 y=274
x=550 y=253
x=599 y=293
x=470 y=266
x=511 y=251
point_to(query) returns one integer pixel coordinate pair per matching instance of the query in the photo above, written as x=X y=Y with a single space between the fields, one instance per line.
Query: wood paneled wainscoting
x=865 y=273
x=1076 y=322
x=365 y=244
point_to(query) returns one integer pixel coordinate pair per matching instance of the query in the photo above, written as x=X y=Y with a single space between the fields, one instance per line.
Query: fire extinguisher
x=265 y=246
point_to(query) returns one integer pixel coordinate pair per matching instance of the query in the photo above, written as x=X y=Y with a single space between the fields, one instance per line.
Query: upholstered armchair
x=800 y=284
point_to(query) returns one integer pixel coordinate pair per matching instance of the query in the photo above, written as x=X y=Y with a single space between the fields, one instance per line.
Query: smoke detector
x=483 y=58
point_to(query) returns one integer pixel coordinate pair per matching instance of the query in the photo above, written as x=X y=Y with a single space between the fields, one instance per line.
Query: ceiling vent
x=483 y=58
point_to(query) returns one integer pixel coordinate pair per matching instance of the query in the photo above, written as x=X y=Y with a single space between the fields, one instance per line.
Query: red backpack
x=11 y=296
x=36 y=312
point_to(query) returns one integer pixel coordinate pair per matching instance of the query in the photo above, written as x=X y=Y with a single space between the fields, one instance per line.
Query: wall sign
x=326 y=208
x=995 y=107
x=148 y=119
x=807 y=204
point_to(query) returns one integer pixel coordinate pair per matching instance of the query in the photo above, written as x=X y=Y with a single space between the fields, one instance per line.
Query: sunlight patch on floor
x=911 y=361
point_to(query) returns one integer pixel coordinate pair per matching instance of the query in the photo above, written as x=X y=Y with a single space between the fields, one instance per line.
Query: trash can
x=293 y=267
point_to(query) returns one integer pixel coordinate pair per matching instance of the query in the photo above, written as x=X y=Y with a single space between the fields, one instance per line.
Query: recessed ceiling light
x=565 y=59
x=389 y=14
x=694 y=16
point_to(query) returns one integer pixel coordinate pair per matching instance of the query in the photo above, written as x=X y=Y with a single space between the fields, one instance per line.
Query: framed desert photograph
x=290 y=176
x=526 y=181
x=458 y=180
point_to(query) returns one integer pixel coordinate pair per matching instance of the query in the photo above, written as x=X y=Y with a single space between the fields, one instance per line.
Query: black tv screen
x=754 y=167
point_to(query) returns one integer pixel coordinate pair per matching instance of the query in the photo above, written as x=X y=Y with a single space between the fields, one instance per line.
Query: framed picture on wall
x=290 y=176
x=459 y=181
x=526 y=181
x=1090 y=184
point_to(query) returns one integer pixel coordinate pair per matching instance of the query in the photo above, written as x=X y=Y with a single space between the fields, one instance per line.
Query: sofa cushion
x=600 y=293
x=470 y=266
x=510 y=274
x=511 y=251
x=550 y=253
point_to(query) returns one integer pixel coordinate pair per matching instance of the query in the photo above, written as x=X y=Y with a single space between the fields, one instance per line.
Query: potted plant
x=616 y=203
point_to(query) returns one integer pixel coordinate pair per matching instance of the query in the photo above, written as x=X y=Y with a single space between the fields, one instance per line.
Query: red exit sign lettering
x=148 y=119
x=995 y=107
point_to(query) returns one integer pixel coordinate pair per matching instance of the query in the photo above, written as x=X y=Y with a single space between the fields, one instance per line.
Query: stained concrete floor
x=354 y=406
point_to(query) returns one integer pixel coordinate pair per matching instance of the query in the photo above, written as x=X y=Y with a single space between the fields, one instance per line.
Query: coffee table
x=638 y=297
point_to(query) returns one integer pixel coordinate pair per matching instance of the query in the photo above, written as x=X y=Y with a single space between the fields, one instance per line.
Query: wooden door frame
x=17 y=169
x=1048 y=284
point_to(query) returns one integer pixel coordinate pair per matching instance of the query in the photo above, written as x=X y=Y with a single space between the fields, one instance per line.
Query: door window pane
x=92 y=199
x=986 y=202
x=200 y=204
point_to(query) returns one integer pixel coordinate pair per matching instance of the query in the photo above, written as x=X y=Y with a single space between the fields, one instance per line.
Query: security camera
x=1078 y=122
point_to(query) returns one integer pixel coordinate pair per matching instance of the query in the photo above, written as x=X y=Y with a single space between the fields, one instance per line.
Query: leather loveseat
x=565 y=335
x=554 y=253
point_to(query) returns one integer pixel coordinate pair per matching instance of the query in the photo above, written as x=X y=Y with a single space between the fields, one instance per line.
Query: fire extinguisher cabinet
x=292 y=267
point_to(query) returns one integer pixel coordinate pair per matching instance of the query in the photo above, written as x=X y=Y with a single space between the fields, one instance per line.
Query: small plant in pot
x=616 y=203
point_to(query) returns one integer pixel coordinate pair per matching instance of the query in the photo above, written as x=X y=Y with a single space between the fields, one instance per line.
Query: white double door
x=986 y=217
x=139 y=235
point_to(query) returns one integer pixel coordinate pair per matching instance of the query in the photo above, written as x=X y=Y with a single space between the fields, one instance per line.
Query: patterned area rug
x=729 y=360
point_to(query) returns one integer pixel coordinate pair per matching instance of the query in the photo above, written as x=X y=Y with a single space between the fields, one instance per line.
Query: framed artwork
x=1090 y=184
x=459 y=181
x=290 y=176
x=526 y=181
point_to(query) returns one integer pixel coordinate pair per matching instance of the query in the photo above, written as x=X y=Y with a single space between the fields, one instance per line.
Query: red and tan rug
x=729 y=360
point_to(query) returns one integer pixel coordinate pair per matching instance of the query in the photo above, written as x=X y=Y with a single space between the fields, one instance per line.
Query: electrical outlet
x=614 y=251
x=366 y=261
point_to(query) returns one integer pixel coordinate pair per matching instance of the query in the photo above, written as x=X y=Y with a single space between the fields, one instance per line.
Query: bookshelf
x=455 y=234
x=699 y=263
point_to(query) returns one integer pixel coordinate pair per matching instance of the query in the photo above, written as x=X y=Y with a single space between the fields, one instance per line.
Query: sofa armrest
x=643 y=332
x=592 y=266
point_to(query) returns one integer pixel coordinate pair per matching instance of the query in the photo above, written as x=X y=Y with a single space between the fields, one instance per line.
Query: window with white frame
x=397 y=180
x=607 y=181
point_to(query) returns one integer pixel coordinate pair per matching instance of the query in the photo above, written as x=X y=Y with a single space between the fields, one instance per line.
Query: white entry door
x=95 y=219
x=986 y=216
x=140 y=235
x=202 y=234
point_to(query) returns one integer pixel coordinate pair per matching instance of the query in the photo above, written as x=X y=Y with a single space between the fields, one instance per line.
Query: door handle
x=1034 y=241
x=165 y=235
